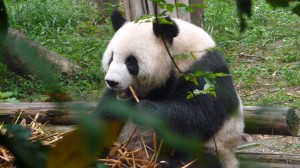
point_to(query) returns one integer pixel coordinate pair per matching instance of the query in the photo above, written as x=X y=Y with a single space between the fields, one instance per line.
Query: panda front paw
x=145 y=106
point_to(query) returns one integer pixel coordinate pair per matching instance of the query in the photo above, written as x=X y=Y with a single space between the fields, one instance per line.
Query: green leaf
x=220 y=74
x=185 y=55
x=193 y=56
x=180 y=5
x=189 y=9
x=19 y=132
x=163 y=20
x=189 y=95
x=162 y=6
x=159 y=1
x=170 y=7
x=207 y=86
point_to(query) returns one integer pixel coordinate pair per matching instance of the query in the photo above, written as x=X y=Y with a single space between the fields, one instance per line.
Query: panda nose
x=111 y=83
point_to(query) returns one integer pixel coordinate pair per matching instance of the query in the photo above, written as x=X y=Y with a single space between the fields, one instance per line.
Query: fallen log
x=268 y=160
x=271 y=120
x=258 y=120
x=15 y=60
x=50 y=112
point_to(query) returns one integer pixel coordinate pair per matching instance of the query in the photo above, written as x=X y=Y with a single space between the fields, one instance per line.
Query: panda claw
x=163 y=164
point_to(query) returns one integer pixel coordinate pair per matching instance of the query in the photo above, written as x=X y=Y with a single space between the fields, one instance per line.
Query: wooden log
x=52 y=113
x=258 y=120
x=268 y=160
x=271 y=120
x=16 y=63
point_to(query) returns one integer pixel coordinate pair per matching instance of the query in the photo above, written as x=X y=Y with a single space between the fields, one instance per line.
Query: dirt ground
x=273 y=144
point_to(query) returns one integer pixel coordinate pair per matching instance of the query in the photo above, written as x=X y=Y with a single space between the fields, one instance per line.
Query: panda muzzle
x=124 y=94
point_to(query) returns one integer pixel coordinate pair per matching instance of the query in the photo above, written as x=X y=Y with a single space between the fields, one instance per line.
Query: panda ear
x=166 y=30
x=117 y=20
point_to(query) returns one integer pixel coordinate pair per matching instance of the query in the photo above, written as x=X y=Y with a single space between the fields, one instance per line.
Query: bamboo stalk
x=133 y=160
x=189 y=164
x=124 y=156
x=134 y=94
x=145 y=149
x=159 y=148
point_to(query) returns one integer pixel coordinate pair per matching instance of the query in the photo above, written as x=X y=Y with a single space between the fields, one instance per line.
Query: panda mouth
x=124 y=94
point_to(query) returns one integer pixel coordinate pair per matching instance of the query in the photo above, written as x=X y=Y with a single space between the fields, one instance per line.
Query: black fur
x=187 y=116
x=163 y=91
x=167 y=31
x=132 y=65
x=117 y=20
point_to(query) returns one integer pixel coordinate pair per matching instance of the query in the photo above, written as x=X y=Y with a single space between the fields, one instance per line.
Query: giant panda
x=136 y=56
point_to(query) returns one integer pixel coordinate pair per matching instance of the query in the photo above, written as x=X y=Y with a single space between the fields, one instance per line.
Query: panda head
x=136 y=56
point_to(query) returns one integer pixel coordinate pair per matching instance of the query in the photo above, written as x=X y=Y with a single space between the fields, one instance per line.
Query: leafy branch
x=170 y=7
x=210 y=82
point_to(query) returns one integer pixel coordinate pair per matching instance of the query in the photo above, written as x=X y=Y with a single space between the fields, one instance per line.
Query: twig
x=145 y=149
x=155 y=142
x=124 y=156
x=187 y=165
x=133 y=160
x=110 y=160
x=134 y=94
x=18 y=117
x=159 y=148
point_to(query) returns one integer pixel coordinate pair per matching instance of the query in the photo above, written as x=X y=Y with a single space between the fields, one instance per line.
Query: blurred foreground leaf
x=190 y=144
x=81 y=148
x=27 y=154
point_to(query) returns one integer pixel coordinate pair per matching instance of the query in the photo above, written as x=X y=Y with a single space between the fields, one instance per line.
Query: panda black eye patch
x=132 y=65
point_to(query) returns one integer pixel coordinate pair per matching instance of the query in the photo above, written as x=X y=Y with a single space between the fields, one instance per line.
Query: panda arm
x=202 y=115
x=188 y=117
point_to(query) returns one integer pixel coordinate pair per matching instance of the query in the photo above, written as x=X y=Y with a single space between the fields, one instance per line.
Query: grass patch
x=264 y=60
x=72 y=28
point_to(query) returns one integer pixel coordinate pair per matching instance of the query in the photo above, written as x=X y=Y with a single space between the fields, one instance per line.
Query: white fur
x=228 y=138
x=138 y=39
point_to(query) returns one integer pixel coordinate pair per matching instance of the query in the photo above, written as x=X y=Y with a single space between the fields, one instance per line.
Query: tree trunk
x=135 y=9
x=104 y=5
x=17 y=64
x=258 y=120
